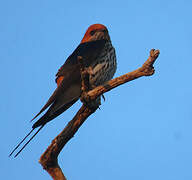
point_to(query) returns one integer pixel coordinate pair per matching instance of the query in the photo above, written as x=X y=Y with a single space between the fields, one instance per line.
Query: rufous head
x=96 y=32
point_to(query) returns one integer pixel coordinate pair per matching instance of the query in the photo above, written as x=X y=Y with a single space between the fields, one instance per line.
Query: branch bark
x=49 y=159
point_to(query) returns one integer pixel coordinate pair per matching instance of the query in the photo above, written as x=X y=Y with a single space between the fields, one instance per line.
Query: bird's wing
x=68 y=80
x=68 y=87
x=89 y=51
x=53 y=112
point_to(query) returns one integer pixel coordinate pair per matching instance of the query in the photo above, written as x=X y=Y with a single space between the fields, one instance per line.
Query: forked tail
x=25 y=143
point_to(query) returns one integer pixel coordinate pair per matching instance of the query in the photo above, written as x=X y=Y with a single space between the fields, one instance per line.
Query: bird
x=98 y=56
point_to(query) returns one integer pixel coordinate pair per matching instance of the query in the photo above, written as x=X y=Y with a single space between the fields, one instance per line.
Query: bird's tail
x=26 y=142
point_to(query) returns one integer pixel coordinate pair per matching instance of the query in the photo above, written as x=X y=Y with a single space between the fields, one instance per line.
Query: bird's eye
x=92 y=32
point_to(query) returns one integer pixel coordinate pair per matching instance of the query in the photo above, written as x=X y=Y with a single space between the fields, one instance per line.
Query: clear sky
x=144 y=128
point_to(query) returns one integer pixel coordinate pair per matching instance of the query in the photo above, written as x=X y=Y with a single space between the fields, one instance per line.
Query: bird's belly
x=104 y=70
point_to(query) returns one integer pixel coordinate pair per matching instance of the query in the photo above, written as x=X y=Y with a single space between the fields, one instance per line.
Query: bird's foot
x=91 y=104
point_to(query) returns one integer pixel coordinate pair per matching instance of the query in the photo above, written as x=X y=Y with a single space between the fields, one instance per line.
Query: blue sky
x=143 y=130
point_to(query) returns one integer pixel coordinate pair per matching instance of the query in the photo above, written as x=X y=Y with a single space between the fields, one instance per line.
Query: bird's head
x=96 y=32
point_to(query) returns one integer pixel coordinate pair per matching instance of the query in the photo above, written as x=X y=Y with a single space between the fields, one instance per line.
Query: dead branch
x=49 y=159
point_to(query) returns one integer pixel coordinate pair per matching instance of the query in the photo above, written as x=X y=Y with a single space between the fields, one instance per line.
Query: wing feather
x=68 y=76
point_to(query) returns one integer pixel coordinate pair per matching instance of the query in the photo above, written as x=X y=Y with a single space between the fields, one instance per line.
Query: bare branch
x=49 y=159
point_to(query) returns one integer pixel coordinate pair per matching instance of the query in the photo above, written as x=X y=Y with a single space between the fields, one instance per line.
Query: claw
x=103 y=97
